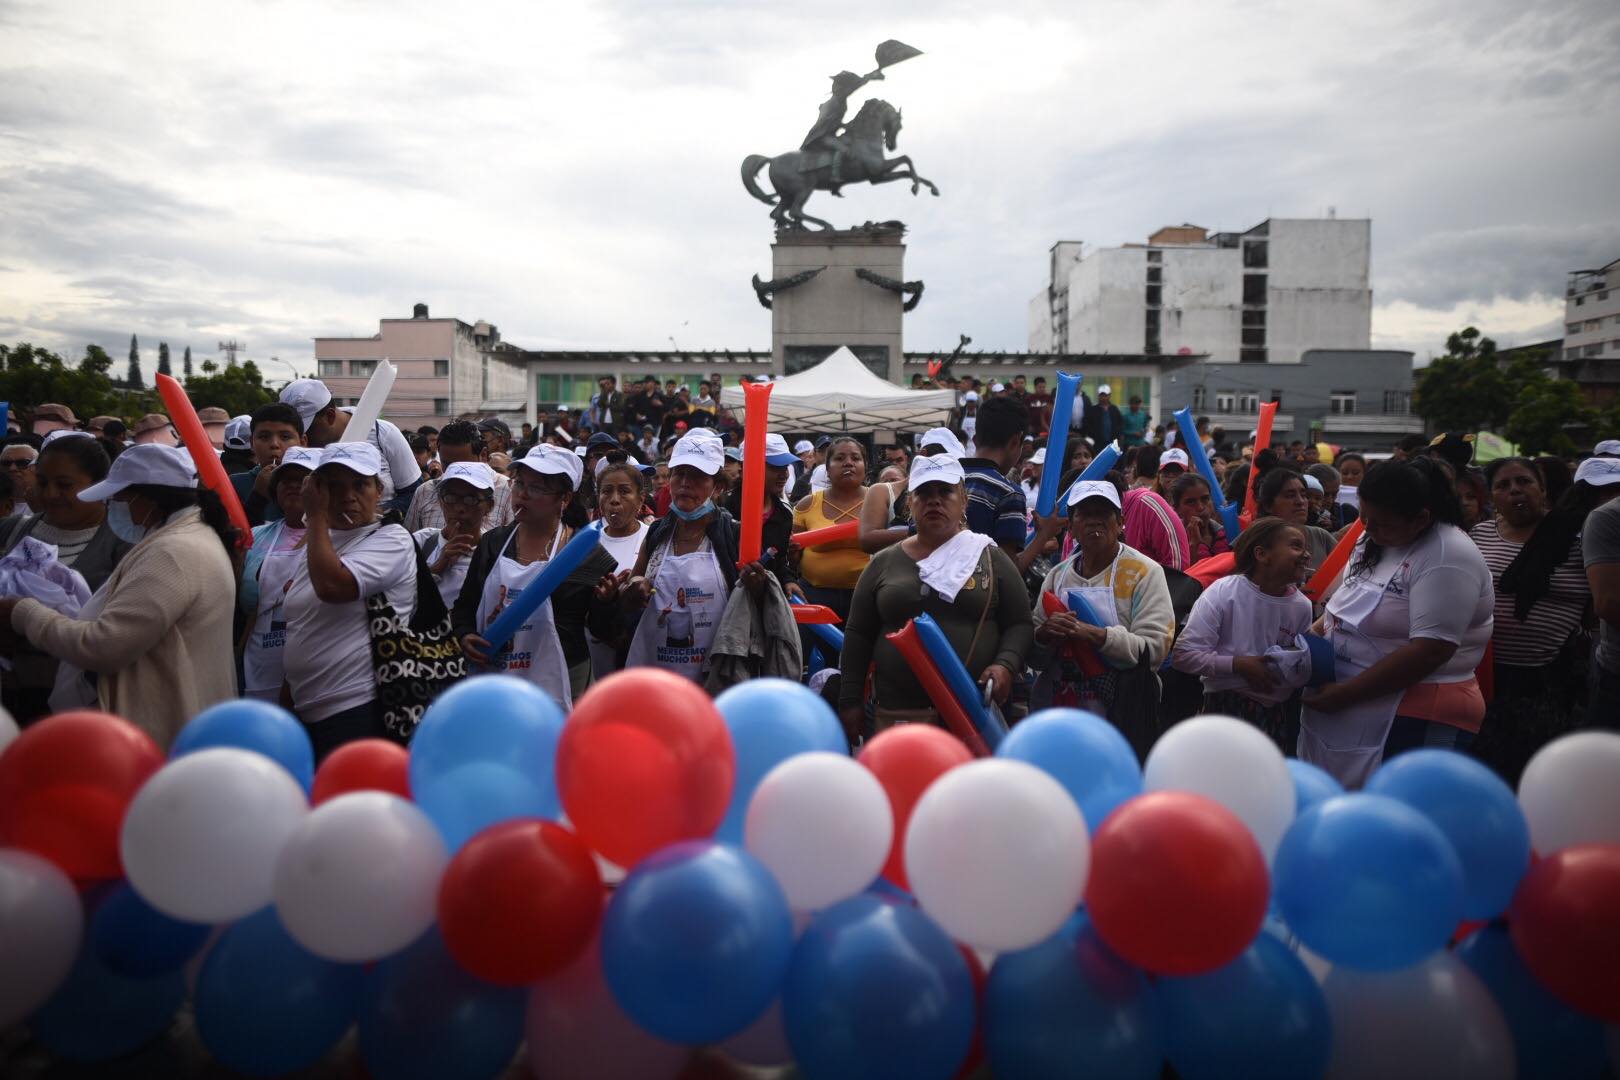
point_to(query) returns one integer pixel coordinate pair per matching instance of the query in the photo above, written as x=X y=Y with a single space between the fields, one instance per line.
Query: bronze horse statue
x=798 y=173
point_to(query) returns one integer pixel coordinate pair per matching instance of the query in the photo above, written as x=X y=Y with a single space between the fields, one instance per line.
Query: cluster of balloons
x=1054 y=909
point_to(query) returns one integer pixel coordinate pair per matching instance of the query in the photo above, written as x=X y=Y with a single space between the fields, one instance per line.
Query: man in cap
x=238 y=453
x=325 y=424
x=213 y=420
x=52 y=417
x=1103 y=422
x=460 y=441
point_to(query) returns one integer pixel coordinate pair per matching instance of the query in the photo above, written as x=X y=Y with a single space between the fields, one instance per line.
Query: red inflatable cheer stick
x=757 y=415
x=828 y=534
x=1079 y=651
x=1334 y=563
x=939 y=691
x=184 y=418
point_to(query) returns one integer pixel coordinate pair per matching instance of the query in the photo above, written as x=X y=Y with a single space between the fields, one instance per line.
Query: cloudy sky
x=192 y=171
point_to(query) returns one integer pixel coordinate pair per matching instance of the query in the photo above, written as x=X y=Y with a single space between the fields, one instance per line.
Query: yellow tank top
x=830 y=566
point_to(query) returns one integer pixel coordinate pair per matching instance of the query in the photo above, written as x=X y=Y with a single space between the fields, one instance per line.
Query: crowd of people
x=1479 y=610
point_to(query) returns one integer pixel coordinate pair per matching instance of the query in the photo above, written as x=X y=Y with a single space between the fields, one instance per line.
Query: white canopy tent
x=842 y=394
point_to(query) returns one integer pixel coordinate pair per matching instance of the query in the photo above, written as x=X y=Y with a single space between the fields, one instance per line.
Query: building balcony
x=1372 y=424
x=1244 y=422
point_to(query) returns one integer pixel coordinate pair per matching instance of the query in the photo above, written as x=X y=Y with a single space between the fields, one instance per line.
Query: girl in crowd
x=155 y=639
x=550 y=649
x=84 y=541
x=1127 y=593
x=828 y=572
x=687 y=567
x=1238 y=618
x=1470 y=485
x=267 y=574
x=1282 y=495
x=961 y=578
x=466 y=495
x=1195 y=506
x=1534 y=554
x=1408 y=627
x=331 y=683
x=1352 y=469
x=1079 y=455
x=620 y=495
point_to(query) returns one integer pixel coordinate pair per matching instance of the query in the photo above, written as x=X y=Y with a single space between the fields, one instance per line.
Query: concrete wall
x=1107 y=297
x=1201 y=302
x=836 y=307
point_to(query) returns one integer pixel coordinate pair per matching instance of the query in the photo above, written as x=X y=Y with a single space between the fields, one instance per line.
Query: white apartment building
x=1592 y=313
x=1266 y=295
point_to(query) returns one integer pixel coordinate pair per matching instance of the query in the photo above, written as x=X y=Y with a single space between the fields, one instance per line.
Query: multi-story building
x=1266 y=295
x=447 y=368
x=1591 y=345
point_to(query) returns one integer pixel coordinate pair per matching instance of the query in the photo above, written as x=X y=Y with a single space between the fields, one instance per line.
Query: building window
x=1572 y=353
x=1155 y=275
x=1276 y=398
x=1254 y=254
x=1579 y=300
x=1223 y=401
x=1593 y=324
x=1342 y=403
x=1572 y=328
x=441 y=369
x=1604 y=295
x=1155 y=256
x=362 y=367
x=1254 y=288
x=331 y=368
x=441 y=406
x=1155 y=295
x=1252 y=355
x=1254 y=336
x=1198 y=399
x=1255 y=318
x=1248 y=402
x=1397 y=402
x=1592 y=350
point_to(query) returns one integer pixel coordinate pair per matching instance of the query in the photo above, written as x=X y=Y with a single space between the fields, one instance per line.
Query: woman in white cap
x=962 y=579
x=1125 y=593
x=550 y=649
x=687 y=567
x=155 y=639
x=466 y=495
x=331 y=682
x=267 y=573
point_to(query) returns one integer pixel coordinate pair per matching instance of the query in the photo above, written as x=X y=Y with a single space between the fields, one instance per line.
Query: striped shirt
x=1541 y=637
x=1153 y=529
x=995 y=506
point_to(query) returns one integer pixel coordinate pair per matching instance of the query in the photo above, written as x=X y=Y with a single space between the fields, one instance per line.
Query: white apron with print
x=1100 y=598
x=536 y=653
x=1349 y=744
x=263 y=670
x=683 y=614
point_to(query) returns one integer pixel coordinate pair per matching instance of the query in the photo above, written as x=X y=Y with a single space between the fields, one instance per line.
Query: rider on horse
x=824 y=134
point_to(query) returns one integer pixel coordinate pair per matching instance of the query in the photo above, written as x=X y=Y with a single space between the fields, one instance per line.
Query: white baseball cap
x=803 y=446
x=476 y=473
x=553 y=461
x=304 y=457
x=308 y=396
x=1093 y=489
x=700 y=448
x=357 y=457
x=777 y=452
x=239 y=433
x=943 y=437
x=64 y=433
x=1038 y=457
x=1314 y=484
x=934 y=469
x=1597 y=471
x=1173 y=456
x=971 y=395
x=602 y=464
x=996 y=388
x=147 y=463
x=1607 y=448
x=1104 y=389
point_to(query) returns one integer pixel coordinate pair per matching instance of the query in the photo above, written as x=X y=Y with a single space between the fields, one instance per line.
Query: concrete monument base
x=832 y=303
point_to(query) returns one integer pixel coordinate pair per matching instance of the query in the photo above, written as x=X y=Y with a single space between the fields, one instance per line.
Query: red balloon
x=906 y=759
x=644 y=760
x=1565 y=922
x=65 y=783
x=363 y=765
x=520 y=901
x=1178 y=886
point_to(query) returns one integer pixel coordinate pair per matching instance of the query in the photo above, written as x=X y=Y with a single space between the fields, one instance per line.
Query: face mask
x=699 y=514
x=122 y=525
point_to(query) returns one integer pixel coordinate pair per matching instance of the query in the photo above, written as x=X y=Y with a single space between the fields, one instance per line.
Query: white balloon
x=360 y=878
x=1570 y=792
x=1233 y=763
x=201 y=837
x=41 y=923
x=822 y=824
x=1433 y=1020
x=997 y=853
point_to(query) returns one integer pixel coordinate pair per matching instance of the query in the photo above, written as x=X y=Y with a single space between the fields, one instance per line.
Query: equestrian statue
x=835 y=153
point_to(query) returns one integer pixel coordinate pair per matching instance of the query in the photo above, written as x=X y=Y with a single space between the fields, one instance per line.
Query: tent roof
x=842 y=394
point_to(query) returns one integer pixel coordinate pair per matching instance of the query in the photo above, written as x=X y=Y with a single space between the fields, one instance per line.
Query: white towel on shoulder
x=953 y=562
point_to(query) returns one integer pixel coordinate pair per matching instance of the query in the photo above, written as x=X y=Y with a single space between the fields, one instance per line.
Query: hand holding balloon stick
x=910 y=644
x=1334 y=563
x=209 y=470
x=757 y=397
x=1195 y=453
x=990 y=728
x=1262 y=438
x=371 y=403
x=1080 y=652
x=528 y=601
x=827 y=534
x=1056 y=441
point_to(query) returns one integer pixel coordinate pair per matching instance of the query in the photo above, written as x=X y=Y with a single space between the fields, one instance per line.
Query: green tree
x=163 y=359
x=96 y=362
x=133 y=378
x=185 y=364
x=34 y=375
x=237 y=388
x=1464 y=390
x=1545 y=411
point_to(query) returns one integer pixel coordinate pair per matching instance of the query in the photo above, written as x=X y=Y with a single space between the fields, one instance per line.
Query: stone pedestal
x=836 y=306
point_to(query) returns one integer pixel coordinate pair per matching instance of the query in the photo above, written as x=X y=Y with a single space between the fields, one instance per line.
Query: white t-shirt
x=400 y=469
x=625 y=549
x=328 y=652
x=1233 y=617
x=449 y=582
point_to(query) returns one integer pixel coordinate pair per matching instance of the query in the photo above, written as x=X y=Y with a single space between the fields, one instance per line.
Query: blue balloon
x=696 y=941
x=98 y=1014
x=249 y=724
x=877 y=990
x=422 y=1016
x=1477 y=812
x=1069 y=1007
x=1084 y=753
x=770 y=720
x=485 y=752
x=1311 y=785
x=1552 y=1040
x=265 y=1005
x=1368 y=882
x=1262 y=1015
x=133 y=938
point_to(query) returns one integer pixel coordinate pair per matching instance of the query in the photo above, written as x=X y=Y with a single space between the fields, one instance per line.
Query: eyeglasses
x=534 y=489
x=449 y=499
x=17 y=463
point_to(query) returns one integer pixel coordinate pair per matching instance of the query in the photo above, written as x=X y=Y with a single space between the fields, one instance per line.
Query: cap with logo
x=700 y=449
x=357 y=457
x=1093 y=489
x=308 y=396
x=1598 y=471
x=553 y=461
x=239 y=433
x=1173 y=456
x=475 y=473
x=943 y=437
x=934 y=469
